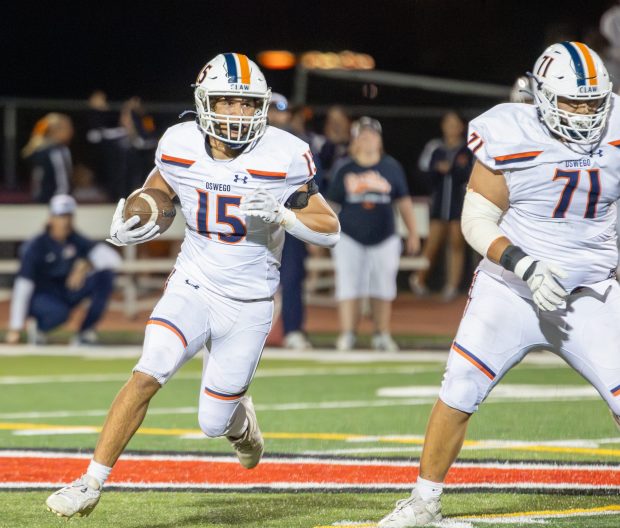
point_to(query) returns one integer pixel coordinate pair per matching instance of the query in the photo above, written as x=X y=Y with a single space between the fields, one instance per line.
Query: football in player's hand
x=150 y=204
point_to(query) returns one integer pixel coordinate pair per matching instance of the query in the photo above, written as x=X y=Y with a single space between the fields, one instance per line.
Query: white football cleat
x=250 y=445
x=78 y=498
x=413 y=511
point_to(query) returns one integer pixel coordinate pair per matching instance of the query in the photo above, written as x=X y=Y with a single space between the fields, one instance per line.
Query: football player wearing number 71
x=241 y=184
x=540 y=208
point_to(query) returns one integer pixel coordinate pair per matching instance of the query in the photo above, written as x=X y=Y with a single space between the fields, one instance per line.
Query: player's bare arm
x=156 y=181
x=123 y=232
x=318 y=215
x=311 y=220
x=485 y=202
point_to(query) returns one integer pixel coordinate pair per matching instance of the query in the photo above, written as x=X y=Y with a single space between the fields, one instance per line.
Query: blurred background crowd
x=405 y=131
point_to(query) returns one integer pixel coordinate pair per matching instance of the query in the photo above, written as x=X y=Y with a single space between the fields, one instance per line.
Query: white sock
x=99 y=472
x=428 y=489
x=238 y=422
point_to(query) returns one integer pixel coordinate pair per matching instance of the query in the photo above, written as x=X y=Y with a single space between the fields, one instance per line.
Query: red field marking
x=28 y=469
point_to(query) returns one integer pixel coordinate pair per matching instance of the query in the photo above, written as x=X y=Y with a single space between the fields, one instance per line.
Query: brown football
x=150 y=204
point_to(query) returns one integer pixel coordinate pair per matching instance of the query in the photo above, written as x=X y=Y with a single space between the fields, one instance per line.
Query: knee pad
x=217 y=418
x=461 y=393
x=162 y=354
x=210 y=427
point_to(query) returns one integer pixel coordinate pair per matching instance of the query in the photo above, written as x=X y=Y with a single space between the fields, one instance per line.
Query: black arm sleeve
x=299 y=199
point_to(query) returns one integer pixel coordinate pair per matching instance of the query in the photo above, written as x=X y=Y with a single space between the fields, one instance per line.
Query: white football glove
x=262 y=204
x=547 y=292
x=121 y=232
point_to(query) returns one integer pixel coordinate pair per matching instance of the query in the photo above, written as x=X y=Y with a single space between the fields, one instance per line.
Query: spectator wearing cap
x=279 y=113
x=60 y=268
x=366 y=258
x=47 y=152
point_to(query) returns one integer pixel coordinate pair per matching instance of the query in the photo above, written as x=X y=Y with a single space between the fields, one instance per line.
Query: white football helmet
x=521 y=91
x=231 y=75
x=573 y=71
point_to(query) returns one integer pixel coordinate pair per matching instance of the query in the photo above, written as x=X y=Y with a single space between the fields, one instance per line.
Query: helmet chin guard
x=571 y=70
x=231 y=75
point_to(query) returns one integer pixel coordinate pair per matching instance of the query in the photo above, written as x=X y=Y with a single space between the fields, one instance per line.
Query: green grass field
x=312 y=407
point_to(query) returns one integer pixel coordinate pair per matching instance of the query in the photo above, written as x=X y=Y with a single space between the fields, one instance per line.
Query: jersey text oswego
x=224 y=251
x=562 y=203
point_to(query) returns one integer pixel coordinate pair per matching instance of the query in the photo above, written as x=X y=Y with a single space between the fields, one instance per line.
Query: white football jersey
x=223 y=251
x=562 y=201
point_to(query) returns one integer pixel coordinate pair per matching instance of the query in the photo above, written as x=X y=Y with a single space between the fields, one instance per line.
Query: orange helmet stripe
x=244 y=66
x=592 y=79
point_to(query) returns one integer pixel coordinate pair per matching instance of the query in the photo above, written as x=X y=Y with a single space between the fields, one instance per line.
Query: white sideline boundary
x=320 y=355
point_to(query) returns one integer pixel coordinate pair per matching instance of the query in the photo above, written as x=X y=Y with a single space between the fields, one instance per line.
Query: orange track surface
x=25 y=469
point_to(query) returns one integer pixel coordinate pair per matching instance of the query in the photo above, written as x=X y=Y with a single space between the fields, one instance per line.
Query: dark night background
x=154 y=50
x=65 y=49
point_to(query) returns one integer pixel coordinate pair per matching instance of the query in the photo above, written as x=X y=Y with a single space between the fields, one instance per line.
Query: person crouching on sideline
x=59 y=268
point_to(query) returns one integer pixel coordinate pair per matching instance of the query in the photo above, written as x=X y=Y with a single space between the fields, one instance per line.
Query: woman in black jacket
x=49 y=157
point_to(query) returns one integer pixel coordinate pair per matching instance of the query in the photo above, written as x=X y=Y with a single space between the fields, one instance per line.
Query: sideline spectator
x=122 y=145
x=139 y=145
x=294 y=253
x=333 y=146
x=60 y=268
x=49 y=157
x=610 y=30
x=449 y=162
x=104 y=136
x=367 y=257
x=85 y=190
x=279 y=113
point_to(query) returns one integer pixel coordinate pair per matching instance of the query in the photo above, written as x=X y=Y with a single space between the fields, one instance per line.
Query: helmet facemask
x=572 y=73
x=583 y=129
x=234 y=130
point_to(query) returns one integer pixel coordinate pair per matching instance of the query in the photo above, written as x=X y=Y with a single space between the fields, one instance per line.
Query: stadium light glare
x=277 y=59
x=343 y=60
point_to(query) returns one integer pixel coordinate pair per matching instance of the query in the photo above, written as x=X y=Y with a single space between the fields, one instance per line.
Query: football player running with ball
x=540 y=208
x=241 y=184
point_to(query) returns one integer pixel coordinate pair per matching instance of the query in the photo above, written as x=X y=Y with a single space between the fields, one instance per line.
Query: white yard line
x=301 y=459
x=519 y=518
x=275 y=407
x=318 y=355
x=514 y=395
x=506 y=391
x=263 y=373
x=368 y=450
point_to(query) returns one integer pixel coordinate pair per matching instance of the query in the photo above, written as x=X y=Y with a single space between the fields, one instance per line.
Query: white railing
x=19 y=223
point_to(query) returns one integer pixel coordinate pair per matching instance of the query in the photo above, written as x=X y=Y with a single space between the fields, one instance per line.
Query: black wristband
x=530 y=270
x=510 y=257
